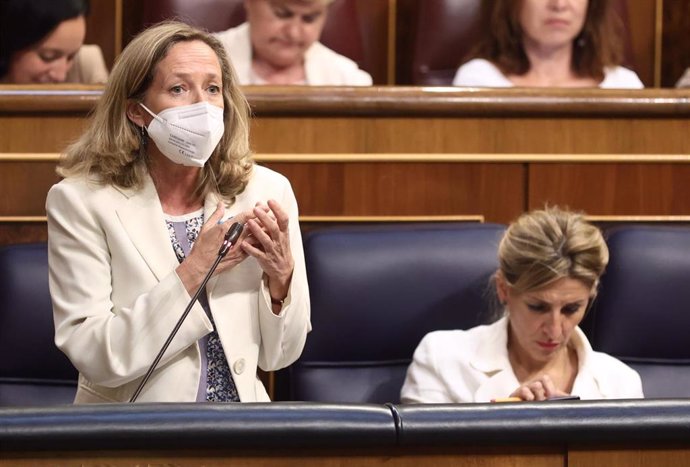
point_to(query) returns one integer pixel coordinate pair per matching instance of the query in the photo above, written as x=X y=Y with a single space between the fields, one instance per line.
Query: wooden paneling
x=623 y=189
x=617 y=457
x=642 y=30
x=493 y=190
x=22 y=232
x=416 y=152
x=472 y=135
x=374 y=28
x=547 y=456
x=24 y=187
x=103 y=28
x=675 y=57
x=516 y=457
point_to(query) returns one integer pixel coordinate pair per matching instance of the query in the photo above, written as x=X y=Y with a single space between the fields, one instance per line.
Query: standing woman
x=549 y=43
x=137 y=223
x=550 y=262
x=42 y=41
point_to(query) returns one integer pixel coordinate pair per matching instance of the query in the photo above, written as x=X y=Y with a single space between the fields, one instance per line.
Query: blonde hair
x=111 y=149
x=543 y=246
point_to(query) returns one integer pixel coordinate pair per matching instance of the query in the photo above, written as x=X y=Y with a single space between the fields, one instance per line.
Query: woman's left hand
x=271 y=247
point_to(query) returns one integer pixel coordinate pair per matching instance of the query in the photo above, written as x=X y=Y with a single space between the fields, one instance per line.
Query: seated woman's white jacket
x=116 y=295
x=473 y=366
x=323 y=66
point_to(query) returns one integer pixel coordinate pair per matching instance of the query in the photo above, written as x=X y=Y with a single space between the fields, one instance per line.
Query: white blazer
x=480 y=72
x=116 y=295
x=323 y=66
x=473 y=366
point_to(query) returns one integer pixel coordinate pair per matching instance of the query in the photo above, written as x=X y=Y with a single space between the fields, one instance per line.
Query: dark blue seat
x=641 y=315
x=375 y=292
x=33 y=371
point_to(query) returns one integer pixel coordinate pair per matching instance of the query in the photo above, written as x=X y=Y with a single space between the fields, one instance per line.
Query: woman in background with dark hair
x=41 y=41
x=541 y=43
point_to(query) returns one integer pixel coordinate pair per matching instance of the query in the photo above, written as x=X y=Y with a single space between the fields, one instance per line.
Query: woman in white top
x=42 y=42
x=550 y=262
x=549 y=43
x=279 y=44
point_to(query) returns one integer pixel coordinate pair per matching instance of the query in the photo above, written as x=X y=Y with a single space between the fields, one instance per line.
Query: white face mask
x=187 y=134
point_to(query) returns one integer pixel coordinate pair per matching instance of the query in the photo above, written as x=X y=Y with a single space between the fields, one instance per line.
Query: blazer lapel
x=491 y=358
x=142 y=218
x=210 y=205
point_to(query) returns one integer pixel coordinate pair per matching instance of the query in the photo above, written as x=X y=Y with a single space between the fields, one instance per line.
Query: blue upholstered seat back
x=32 y=370
x=642 y=314
x=376 y=291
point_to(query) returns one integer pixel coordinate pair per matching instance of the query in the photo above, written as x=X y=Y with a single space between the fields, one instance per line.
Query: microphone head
x=231 y=237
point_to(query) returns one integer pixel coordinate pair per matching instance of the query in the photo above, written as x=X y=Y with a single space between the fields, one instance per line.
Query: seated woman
x=550 y=262
x=537 y=43
x=41 y=41
x=279 y=44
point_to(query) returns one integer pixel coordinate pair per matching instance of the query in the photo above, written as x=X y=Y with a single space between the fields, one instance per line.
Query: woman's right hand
x=538 y=389
x=205 y=250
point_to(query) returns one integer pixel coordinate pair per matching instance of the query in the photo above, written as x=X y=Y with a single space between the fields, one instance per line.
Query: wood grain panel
x=499 y=457
x=625 y=189
x=641 y=25
x=493 y=190
x=39 y=133
x=23 y=187
x=617 y=457
x=22 y=232
x=374 y=28
x=471 y=135
x=101 y=28
x=675 y=55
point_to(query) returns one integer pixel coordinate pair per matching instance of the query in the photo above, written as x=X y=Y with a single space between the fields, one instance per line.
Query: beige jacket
x=116 y=295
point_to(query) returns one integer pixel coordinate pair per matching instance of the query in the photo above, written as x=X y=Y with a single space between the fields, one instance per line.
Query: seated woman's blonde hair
x=546 y=245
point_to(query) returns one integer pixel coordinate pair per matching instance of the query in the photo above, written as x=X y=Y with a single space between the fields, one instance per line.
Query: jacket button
x=238 y=366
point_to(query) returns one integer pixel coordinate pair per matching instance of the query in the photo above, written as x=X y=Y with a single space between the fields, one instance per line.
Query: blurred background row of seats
x=409 y=42
x=376 y=291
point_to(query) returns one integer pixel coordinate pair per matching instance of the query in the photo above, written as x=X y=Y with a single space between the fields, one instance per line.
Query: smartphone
x=564 y=398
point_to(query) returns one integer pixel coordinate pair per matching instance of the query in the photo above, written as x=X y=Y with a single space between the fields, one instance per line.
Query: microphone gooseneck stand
x=230 y=238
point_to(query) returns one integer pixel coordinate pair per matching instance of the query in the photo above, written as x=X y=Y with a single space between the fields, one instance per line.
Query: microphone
x=228 y=241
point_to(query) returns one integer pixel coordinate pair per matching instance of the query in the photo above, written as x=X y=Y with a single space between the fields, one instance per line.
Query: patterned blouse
x=216 y=383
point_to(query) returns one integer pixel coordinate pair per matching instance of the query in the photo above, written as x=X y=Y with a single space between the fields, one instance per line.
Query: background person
x=137 y=223
x=548 y=43
x=279 y=44
x=550 y=262
x=684 y=81
x=41 y=41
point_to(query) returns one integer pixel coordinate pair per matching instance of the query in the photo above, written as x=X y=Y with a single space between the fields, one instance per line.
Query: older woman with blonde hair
x=279 y=44
x=550 y=262
x=137 y=223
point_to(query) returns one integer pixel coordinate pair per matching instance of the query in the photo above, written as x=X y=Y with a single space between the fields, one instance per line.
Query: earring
x=143 y=140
